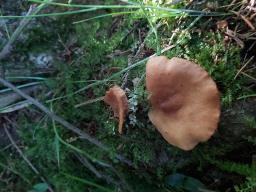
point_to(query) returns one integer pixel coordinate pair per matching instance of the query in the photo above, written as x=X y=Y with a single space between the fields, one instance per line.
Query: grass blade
x=87 y=182
x=48 y=14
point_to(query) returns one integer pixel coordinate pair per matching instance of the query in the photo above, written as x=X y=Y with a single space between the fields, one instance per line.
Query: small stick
x=246 y=96
x=54 y=116
x=89 y=102
x=232 y=3
x=6 y=50
x=249 y=76
x=252 y=16
x=252 y=8
x=63 y=122
x=25 y=158
x=23 y=23
x=87 y=164
x=245 y=20
x=252 y=2
x=242 y=68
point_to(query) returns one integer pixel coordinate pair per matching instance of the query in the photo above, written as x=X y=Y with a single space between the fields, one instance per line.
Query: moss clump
x=101 y=48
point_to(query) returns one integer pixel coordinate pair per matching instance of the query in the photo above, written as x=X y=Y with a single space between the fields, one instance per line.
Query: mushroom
x=185 y=101
x=116 y=98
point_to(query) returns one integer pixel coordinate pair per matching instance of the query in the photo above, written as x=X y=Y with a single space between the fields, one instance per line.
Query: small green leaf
x=180 y=181
x=40 y=187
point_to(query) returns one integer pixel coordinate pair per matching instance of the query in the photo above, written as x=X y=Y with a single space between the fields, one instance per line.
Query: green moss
x=96 y=41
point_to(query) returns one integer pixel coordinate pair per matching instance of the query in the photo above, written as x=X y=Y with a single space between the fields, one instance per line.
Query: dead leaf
x=233 y=35
x=222 y=24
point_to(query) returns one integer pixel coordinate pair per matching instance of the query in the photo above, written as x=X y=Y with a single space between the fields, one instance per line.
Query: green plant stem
x=48 y=14
x=135 y=6
x=15 y=172
x=25 y=158
x=20 y=86
x=246 y=96
x=63 y=122
x=105 y=15
x=69 y=145
x=153 y=29
x=130 y=6
x=23 y=23
x=6 y=28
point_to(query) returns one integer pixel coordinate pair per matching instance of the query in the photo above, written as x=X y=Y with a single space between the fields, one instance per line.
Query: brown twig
x=6 y=50
x=249 y=76
x=243 y=67
x=132 y=59
x=91 y=167
x=234 y=36
x=245 y=20
x=63 y=122
x=88 y=165
x=231 y=4
x=251 y=8
x=25 y=158
x=107 y=178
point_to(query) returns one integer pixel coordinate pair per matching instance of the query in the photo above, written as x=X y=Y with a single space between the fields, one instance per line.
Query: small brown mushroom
x=116 y=98
x=185 y=101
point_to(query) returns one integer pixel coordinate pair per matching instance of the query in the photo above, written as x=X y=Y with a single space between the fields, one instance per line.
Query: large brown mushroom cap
x=116 y=98
x=185 y=101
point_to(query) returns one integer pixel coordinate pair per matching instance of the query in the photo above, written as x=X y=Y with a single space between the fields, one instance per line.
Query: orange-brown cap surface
x=116 y=98
x=185 y=101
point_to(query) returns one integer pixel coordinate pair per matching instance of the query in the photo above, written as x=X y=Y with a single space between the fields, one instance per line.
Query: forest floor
x=64 y=55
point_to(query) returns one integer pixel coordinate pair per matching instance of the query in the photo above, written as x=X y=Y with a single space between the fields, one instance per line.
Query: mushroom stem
x=120 y=123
